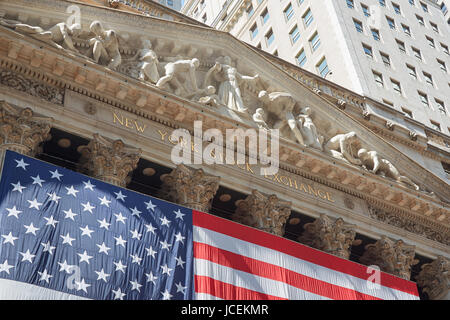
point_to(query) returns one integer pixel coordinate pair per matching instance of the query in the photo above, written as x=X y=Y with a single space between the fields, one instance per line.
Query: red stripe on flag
x=271 y=271
x=297 y=250
x=228 y=291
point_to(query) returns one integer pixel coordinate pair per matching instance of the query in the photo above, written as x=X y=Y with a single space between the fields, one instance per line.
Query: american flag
x=68 y=236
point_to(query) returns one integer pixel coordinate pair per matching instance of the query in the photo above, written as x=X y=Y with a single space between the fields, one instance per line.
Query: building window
x=367 y=50
x=440 y=106
x=434 y=27
x=358 y=25
x=204 y=18
x=350 y=4
x=365 y=10
x=391 y=23
x=301 y=58
x=386 y=59
x=265 y=16
x=254 y=30
x=294 y=34
x=382 y=3
x=424 y=99
x=417 y=53
x=442 y=65
x=396 y=8
x=430 y=42
x=411 y=71
x=406 y=30
x=411 y=2
x=420 y=20
x=378 y=78
x=436 y=126
x=269 y=37
x=322 y=67
x=424 y=7
x=288 y=12
x=445 y=49
x=250 y=11
x=401 y=46
x=446 y=166
x=375 y=34
x=308 y=18
x=428 y=78
x=408 y=113
x=315 y=41
x=396 y=86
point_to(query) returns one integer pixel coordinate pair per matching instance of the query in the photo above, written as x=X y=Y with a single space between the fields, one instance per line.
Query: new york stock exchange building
x=358 y=207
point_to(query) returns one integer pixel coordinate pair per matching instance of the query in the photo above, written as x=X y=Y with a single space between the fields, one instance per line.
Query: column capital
x=189 y=187
x=434 y=278
x=332 y=236
x=21 y=130
x=108 y=160
x=264 y=212
x=392 y=256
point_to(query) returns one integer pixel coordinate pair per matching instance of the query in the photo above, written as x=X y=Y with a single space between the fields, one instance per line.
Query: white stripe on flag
x=289 y=262
x=249 y=281
x=16 y=290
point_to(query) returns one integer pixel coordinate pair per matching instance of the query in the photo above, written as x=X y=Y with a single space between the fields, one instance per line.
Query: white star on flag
x=102 y=275
x=135 y=234
x=72 y=191
x=150 y=205
x=150 y=252
x=27 y=256
x=103 y=248
x=88 y=185
x=120 y=241
x=81 y=285
x=135 y=258
x=178 y=214
x=9 y=238
x=13 y=212
x=180 y=288
x=135 y=212
x=17 y=187
x=166 y=295
x=51 y=221
x=104 y=224
x=118 y=294
x=179 y=237
x=150 y=228
x=120 y=217
x=44 y=276
x=53 y=197
x=48 y=247
x=84 y=257
x=164 y=221
x=104 y=201
x=165 y=245
x=135 y=285
x=55 y=175
x=87 y=207
x=180 y=262
x=69 y=214
x=4 y=267
x=37 y=180
x=86 y=231
x=120 y=266
x=120 y=196
x=151 y=277
x=65 y=267
x=31 y=229
x=166 y=269
x=67 y=239
x=22 y=164
x=34 y=204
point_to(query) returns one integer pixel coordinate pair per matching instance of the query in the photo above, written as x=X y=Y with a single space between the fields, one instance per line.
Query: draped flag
x=68 y=236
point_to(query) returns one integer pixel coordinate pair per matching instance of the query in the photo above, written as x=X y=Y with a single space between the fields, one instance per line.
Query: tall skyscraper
x=173 y=4
x=396 y=52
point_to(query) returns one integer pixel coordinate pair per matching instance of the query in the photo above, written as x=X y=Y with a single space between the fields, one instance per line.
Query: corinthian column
x=21 y=130
x=189 y=187
x=434 y=278
x=108 y=160
x=329 y=235
x=393 y=257
x=267 y=213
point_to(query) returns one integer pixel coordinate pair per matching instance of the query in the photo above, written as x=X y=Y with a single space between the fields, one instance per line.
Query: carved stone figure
x=108 y=160
x=281 y=106
x=258 y=118
x=311 y=137
x=60 y=35
x=393 y=257
x=189 y=187
x=373 y=162
x=21 y=130
x=267 y=213
x=148 y=65
x=173 y=69
x=206 y=96
x=340 y=147
x=434 y=278
x=105 y=46
x=229 y=79
x=334 y=237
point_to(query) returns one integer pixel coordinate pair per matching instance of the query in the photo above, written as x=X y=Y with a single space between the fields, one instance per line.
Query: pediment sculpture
x=220 y=85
